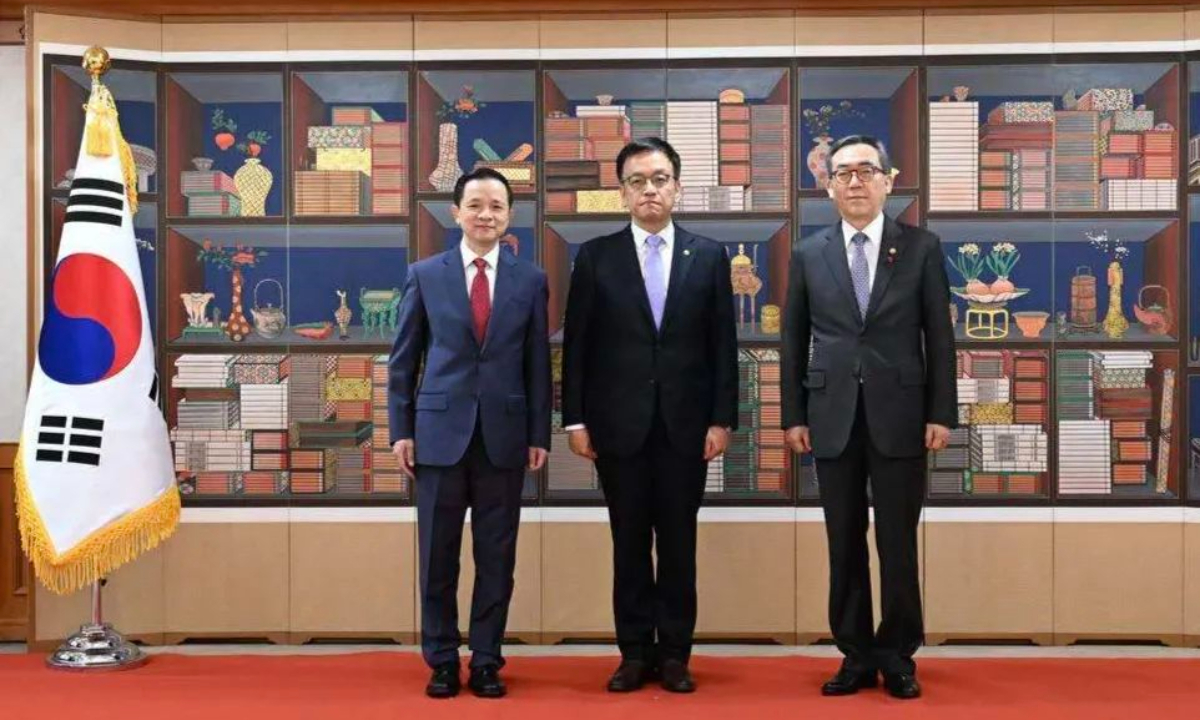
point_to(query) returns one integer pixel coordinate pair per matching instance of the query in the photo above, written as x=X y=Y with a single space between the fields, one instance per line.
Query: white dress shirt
x=468 y=258
x=874 y=233
x=666 y=250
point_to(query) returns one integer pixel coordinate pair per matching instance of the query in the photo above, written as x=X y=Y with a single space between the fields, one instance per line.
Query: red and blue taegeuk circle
x=93 y=324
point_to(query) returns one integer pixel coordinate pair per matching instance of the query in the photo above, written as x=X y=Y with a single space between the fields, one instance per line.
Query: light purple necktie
x=656 y=284
x=860 y=273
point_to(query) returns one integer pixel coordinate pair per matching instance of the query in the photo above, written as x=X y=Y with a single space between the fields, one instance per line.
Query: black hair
x=647 y=145
x=884 y=161
x=481 y=173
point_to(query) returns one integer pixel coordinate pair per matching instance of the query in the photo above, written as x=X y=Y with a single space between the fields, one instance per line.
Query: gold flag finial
x=96 y=61
x=103 y=130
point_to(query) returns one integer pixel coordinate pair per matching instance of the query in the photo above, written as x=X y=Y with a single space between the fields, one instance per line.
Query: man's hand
x=581 y=443
x=406 y=451
x=937 y=437
x=537 y=458
x=715 y=442
x=797 y=439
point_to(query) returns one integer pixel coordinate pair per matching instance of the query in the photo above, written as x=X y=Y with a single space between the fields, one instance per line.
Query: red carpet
x=389 y=685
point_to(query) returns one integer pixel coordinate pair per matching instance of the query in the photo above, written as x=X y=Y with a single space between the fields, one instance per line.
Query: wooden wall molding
x=301 y=8
x=15 y=577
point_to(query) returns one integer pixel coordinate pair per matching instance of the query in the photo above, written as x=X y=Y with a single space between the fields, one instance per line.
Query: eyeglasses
x=865 y=174
x=638 y=183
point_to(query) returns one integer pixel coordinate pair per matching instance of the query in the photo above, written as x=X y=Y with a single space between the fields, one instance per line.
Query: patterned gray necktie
x=860 y=273
x=656 y=284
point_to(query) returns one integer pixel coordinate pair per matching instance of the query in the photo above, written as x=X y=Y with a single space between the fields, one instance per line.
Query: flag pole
x=97 y=646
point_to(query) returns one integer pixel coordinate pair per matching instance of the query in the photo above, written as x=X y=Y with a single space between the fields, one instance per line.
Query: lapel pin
x=687 y=252
x=891 y=255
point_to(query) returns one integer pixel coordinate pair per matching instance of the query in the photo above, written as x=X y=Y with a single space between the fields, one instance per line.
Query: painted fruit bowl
x=989 y=299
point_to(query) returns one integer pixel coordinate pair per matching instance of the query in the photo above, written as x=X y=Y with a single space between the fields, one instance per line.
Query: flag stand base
x=96 y=647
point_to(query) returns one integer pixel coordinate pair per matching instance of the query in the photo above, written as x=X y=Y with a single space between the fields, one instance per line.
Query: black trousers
x=653 y=498
x=897 y=490
x=443 y=496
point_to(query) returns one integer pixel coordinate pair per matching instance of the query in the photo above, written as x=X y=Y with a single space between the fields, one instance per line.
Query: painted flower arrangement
x=228 y=258
x=1001 y=261
x=818 y=120
x=226 y=128
x=461 y=108
x=970 y=263
x=1114 y=248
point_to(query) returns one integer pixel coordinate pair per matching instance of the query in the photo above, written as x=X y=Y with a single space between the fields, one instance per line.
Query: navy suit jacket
x=505 y=382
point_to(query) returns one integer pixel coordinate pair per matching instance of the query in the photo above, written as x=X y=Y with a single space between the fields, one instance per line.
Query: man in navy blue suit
x=476 y=317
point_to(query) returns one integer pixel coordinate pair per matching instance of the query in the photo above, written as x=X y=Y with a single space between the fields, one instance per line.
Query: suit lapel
x=681 y=261
x=631 y=269
x=456 y=288
x=505 y=281
x=839 y=267
x=889 y=252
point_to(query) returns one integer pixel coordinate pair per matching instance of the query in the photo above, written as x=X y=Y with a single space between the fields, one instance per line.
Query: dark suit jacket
x=904 y=351
x=506 y=382
x=618 y=369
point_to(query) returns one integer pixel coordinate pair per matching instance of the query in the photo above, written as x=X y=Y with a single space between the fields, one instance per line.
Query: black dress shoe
x=849 y=681
x=676 y=678
x=445 y=682
x=902 y=686
x=630 y=676
x=485 y=682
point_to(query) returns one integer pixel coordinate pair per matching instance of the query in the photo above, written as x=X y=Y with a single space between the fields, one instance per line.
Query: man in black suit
x=870 y=299
x=650 y=395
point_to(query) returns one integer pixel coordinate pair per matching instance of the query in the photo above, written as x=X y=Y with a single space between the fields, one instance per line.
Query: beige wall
x=12 y=241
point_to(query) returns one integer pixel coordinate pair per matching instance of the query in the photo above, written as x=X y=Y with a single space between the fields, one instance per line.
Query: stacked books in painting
x=209 y=193
x=757 y=460
x=1107 y=435
x=770 y=161
x=581 y=158
x=954 y=155
x=358 y=165
x=1002 y=447
x=268 y=424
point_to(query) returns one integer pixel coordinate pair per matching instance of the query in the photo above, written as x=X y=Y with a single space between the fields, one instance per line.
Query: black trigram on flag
x=95 y=200
x=70 y=439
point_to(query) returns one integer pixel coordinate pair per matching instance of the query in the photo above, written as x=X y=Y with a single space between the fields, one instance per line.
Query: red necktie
x=481 y=300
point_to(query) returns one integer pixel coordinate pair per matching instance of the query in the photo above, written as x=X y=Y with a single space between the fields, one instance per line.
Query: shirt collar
x=667 y=234
x=874 y=231
x=468 y=255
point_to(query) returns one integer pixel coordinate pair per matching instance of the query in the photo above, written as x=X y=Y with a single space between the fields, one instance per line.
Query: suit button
x=653 y=381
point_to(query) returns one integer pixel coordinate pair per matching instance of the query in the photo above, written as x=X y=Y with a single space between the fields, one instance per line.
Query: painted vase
x=253 y=181
x=237 y=328
x=447 y=172
x=816 y=160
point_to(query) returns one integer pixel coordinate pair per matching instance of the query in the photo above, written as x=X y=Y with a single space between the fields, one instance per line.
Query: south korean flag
x=95 y=481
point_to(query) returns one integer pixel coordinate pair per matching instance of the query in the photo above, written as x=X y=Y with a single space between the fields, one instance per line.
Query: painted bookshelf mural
x=349 y=144
x=476 y=118
x=281 y=205
x=1117 y=434
x=282 y=426
x=1029 y=138
x=1066 y=280
x=1002 y=445
x=877 y=101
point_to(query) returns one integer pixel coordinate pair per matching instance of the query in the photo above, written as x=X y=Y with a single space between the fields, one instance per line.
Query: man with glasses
x=650 y=395
x=868 y=388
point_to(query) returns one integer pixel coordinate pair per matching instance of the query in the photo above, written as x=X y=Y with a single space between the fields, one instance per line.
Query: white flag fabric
x=95 y=480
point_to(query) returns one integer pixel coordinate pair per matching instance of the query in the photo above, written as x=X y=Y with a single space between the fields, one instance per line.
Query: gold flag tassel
x=103 y=128
x=101 y=552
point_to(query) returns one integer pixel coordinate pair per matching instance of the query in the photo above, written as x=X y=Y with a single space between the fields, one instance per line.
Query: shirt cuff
x=580 y=426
